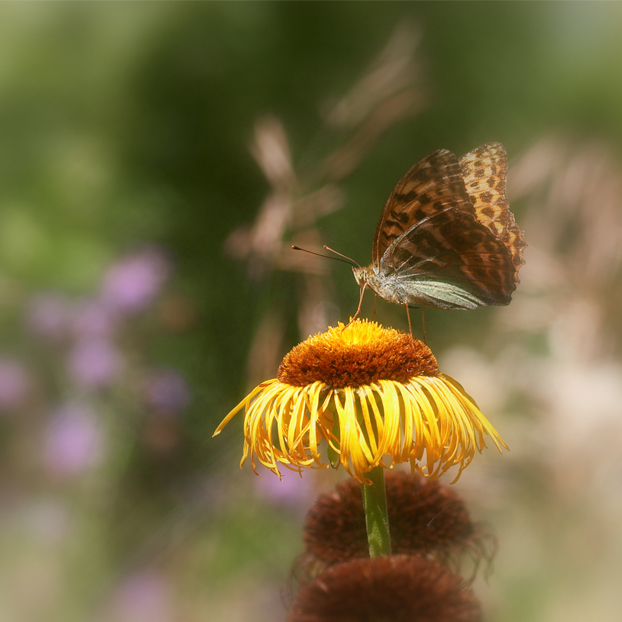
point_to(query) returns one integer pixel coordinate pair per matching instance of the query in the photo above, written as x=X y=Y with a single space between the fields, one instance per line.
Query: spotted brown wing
x=484 y=171
x=432 y=185
x=449 y=260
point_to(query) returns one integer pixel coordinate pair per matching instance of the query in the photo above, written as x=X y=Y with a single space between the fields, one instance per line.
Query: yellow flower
x=366 y=396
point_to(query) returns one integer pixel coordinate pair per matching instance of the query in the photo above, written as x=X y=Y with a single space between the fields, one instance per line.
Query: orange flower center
x=348 y=358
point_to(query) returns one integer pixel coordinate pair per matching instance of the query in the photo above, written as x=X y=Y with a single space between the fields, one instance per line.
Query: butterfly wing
x=449 y=261
x=430 y=247
x=484 y=171
x=431 y=185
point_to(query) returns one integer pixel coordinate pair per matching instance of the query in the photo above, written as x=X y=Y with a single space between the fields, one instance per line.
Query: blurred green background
x=146 y=282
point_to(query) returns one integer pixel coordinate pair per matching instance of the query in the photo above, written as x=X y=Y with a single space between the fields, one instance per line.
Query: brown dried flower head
x=427 y=518
x=394 y=588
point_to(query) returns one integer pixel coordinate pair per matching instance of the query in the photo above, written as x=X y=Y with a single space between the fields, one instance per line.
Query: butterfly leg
x=410 y=328
x=375 y=301
x=422 y=323
x=359 y=307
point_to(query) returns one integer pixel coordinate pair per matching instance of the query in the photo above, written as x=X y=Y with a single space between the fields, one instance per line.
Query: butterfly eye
x=360 y=274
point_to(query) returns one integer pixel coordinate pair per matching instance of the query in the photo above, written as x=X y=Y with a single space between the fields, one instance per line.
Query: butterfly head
x=361 y=275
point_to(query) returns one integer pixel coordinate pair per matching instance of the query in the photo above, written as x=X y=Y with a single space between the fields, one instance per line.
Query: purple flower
x=73 y=442
x=132 y=283
x=92 y=318
x=291 y=490
x=167 y=390
x=143 y=596
x=48 y=520
x=49 y=315
x=94 y=362
x=15 y=384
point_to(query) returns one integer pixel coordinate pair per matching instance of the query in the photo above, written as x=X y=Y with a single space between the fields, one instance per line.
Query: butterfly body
x=446 y=238
x=404 y=292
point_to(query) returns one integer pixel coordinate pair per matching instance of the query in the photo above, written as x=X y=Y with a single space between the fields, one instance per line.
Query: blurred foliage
x=126 y=126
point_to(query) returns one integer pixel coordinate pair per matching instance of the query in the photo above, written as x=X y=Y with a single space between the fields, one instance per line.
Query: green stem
x=376 y=516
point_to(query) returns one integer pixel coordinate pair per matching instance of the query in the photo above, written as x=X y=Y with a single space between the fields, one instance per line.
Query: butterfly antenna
x=354 y=263
x=350 y=261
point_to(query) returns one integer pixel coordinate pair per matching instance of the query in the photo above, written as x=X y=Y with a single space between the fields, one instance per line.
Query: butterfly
x=446 y=238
